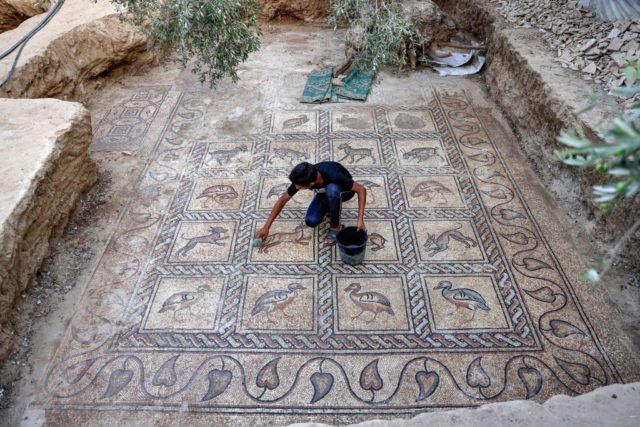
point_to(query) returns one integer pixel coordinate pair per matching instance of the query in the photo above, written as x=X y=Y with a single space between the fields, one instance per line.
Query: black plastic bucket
x=352 y=245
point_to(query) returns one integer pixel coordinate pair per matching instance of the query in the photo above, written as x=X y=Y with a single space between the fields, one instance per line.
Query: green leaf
x=604 y=199
x=619 y=172
x=632 y=188
x=573 y=140
x=623 y=126
x=605 y=189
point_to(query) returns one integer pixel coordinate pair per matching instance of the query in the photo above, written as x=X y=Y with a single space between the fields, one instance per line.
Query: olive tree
x=213 y=36
x=618 y=156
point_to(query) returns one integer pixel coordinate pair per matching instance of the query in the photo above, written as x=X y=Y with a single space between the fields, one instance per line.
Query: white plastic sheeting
x=613 y=10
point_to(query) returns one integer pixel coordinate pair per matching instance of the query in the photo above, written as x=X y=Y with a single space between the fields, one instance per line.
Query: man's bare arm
x=275 y=211
x=361 y=191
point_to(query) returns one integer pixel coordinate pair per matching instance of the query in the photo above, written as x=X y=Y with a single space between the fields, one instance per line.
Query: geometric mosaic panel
x=125 y=125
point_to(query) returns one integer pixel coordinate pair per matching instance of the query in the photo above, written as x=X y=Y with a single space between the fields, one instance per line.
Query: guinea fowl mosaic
x=368 y=301
x=276 y=301
x=462 y=298
x=183 y=300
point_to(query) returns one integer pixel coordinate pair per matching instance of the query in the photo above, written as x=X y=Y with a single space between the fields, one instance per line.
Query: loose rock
x=583 y=43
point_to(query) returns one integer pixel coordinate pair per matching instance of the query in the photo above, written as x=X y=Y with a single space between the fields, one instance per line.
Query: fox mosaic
x=225 y=156
x=289 y=155
x=440 y=243
x=355 y=154
x=215 y=237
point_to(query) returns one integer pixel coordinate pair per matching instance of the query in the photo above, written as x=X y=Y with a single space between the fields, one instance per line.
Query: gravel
x=598 y=50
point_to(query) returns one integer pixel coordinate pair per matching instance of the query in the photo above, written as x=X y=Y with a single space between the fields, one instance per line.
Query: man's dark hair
x=303 y=174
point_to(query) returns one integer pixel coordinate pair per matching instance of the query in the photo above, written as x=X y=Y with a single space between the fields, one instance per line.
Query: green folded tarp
x=319 y=88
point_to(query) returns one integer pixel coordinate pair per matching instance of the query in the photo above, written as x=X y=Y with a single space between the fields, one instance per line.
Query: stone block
x=44 y=169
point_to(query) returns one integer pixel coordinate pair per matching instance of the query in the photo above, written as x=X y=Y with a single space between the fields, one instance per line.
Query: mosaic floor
x=460 y=301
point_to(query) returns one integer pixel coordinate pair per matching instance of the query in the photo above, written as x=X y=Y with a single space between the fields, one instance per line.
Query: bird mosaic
x=429 y=189
x=276 y=301
x=277 y=190
x=183 y=301
x=407 y=121
x=369 y=185
x=368 y=301
x=295 y=122
x=220 y=193
x=462 y=298
x=353 y=122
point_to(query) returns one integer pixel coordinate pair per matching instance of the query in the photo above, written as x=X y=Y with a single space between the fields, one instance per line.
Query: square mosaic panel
x=184 y=303
x=433 y=192
x=203 y=241
x=383 y=244
x=377 y=194
x=352 y=120
x=411 y=120
x=287 y=154
x=379 y=304
x=420 y=152
x=227 y=155
x=442 y=240
x=356 y=152
x=288 y=241
x=217 y=194
x=284 y=303
x=294 y=122
x=447 y=301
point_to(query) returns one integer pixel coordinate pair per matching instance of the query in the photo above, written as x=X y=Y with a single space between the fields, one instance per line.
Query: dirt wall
x=304 y=10
x=14 y=12
x=541 y=99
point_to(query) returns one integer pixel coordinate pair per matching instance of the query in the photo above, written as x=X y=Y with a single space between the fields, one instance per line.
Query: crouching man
x=333 y=184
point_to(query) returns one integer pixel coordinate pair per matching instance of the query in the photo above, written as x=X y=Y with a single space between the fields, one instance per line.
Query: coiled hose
x=20 y=44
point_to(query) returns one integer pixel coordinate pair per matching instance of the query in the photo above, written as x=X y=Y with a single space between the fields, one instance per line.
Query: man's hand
x=262 y=233
x=362 y=200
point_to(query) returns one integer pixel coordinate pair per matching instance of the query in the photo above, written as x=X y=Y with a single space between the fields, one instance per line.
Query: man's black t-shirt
x=332 y=173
